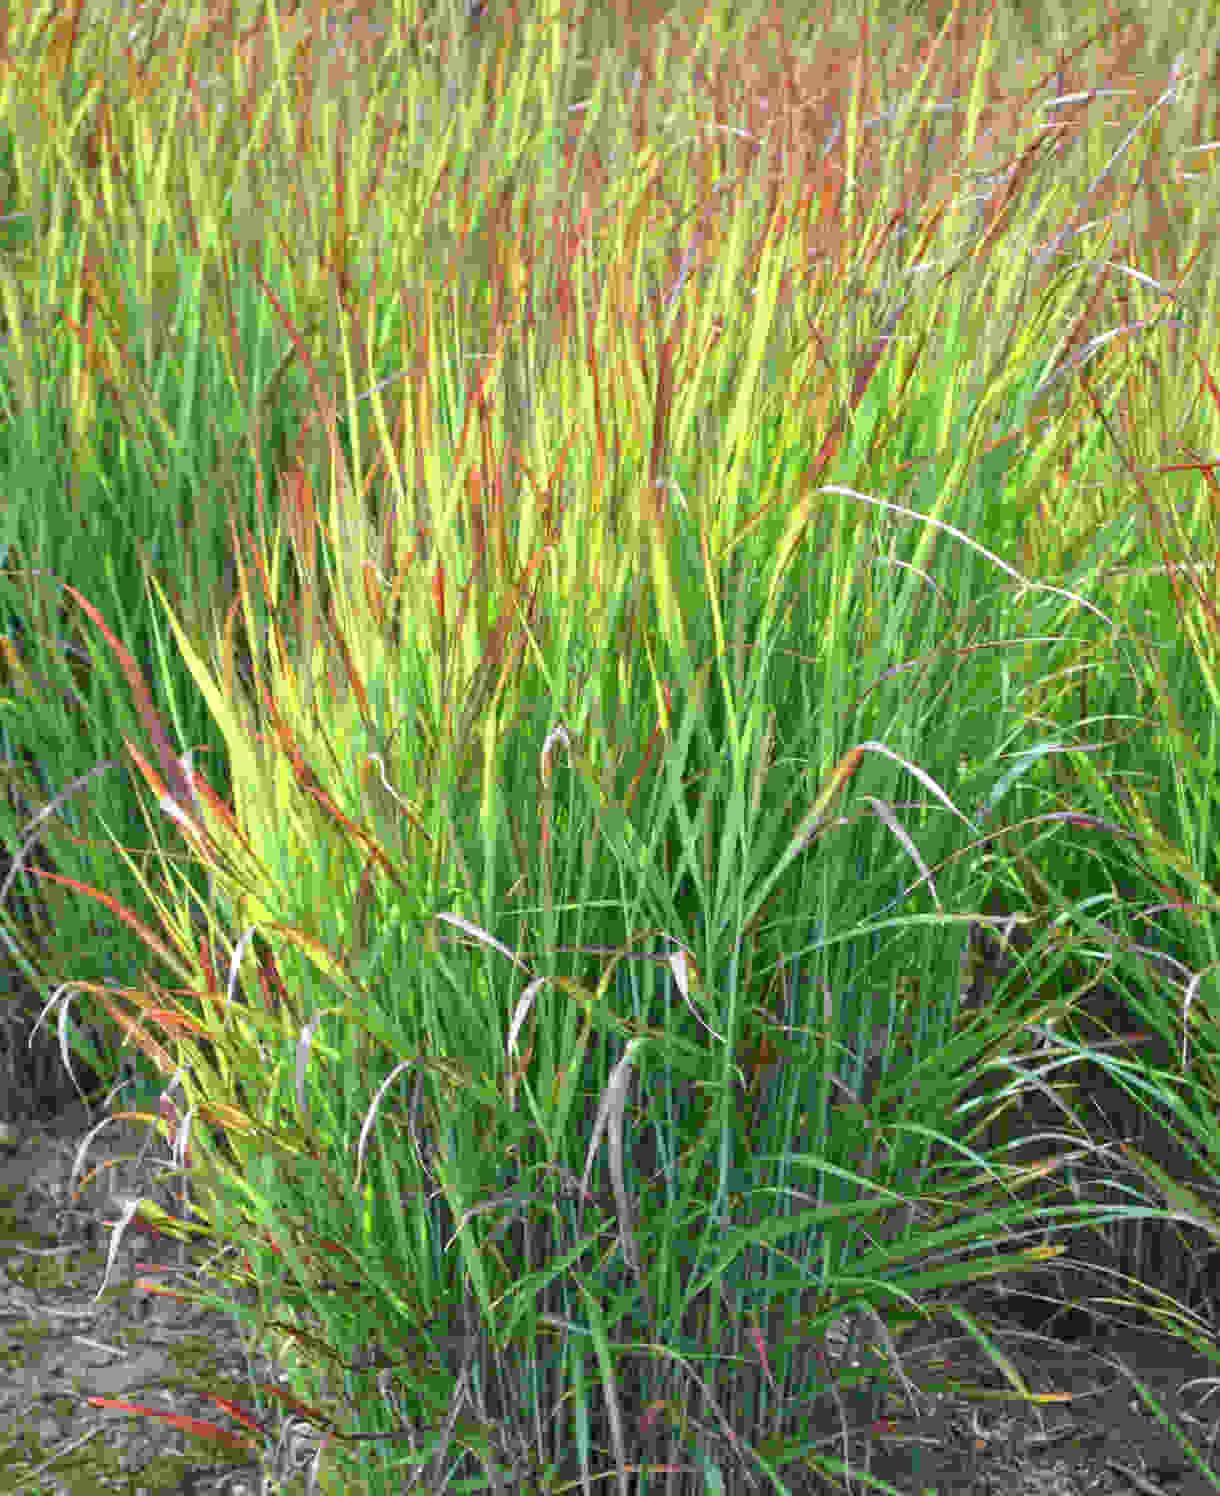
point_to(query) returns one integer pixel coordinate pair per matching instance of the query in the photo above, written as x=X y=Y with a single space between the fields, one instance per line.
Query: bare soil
x=967 y=1432
x=63 y=1338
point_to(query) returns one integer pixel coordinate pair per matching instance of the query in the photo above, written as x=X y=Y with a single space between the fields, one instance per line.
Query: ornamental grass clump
x=670 y=620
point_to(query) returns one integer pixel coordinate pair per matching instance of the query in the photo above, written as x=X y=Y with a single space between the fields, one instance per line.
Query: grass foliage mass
x=560 y=571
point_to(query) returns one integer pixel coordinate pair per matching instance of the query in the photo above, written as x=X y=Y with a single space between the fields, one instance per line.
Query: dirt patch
x=60 y=1342
x=1086 y=1431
